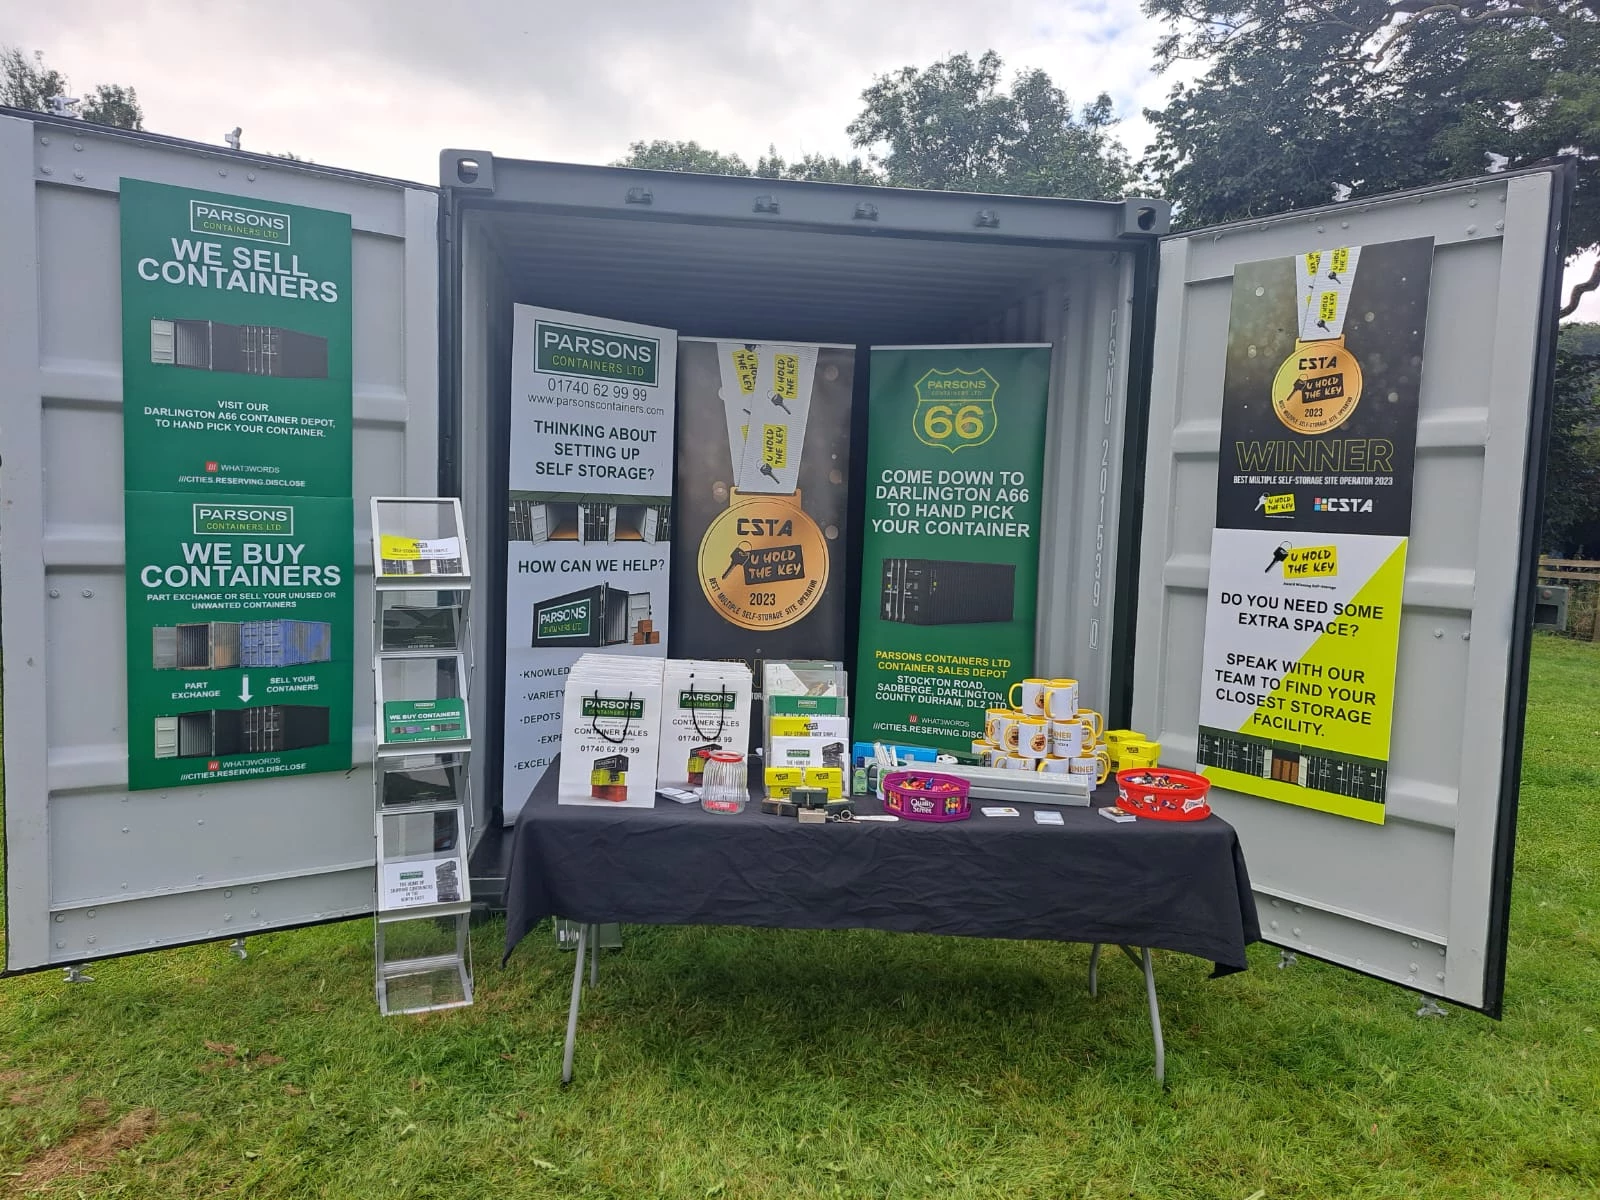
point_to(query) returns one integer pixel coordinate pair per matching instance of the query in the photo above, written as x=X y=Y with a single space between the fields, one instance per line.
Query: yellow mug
x=1032 y=697
x=1061 y=699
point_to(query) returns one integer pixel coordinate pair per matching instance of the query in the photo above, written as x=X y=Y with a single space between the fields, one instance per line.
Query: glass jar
x=722 y=789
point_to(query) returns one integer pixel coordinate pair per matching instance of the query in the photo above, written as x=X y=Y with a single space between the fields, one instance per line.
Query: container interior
x=755 y=280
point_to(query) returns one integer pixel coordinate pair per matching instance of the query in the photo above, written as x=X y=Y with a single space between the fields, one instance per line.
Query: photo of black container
x=239 y=349
x=218 y=733
x=928 y=591
x=595 y=616
x=431 y=782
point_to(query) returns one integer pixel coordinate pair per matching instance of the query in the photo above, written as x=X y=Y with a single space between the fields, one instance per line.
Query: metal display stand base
x=1142 y=961
x=588 y=943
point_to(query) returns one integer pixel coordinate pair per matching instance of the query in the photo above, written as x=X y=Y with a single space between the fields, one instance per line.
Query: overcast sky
x=383 y=85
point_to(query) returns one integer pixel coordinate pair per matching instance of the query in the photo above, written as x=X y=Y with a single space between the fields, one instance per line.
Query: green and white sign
x=950 y=549
x=236 y=336
x=595 y=353
x=440 y=720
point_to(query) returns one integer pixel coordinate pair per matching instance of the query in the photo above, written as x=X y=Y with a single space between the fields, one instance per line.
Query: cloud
x=383 y=86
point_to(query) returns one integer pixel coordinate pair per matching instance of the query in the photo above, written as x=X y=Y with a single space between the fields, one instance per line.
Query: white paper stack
x=611 y=731
x=705 y=706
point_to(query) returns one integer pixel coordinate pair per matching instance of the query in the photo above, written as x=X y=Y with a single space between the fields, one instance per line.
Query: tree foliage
x=25 y=82
x=951 y=127
x=1305 y=99
x=1572 y=475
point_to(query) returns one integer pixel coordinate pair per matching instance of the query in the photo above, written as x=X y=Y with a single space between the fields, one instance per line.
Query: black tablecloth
x=1160 y=884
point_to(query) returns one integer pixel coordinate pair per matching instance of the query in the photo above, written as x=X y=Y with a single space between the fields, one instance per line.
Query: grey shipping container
x=239 y=349
x=198 y=645
x=925 y=591
x=284 y=643
x=1137 y=322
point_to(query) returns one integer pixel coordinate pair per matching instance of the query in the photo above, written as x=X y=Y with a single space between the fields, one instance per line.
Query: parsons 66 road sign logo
x=955 y=409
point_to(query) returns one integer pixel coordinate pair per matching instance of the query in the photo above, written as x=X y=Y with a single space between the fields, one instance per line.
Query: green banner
x=236 y=335
x=950 y=550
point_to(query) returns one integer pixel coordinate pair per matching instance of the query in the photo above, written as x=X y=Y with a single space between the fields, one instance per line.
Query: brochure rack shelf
x=421 y=806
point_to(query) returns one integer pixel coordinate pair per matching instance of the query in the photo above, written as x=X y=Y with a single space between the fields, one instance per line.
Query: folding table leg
x=1094 y=971
x=1143 y=961
x=594 y=956
x=572 y=1010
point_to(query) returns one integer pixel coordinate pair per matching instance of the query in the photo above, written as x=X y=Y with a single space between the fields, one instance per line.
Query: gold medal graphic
x=763 y=561
x=1317 y=387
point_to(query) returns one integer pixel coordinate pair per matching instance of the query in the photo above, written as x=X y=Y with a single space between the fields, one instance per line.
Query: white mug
x=1056 y=766
x=1068 y=738
x=1061 y=699
x=1096 y=762
x=1033 y=690
x=1015 y=762
x=1033 y=737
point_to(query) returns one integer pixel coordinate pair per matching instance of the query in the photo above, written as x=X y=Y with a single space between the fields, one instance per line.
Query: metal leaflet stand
x=422 y=744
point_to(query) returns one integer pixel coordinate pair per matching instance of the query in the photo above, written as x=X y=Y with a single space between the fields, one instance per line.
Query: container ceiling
x=765 y=282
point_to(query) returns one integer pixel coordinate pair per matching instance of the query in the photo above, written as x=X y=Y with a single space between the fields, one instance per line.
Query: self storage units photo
x=1137 y=322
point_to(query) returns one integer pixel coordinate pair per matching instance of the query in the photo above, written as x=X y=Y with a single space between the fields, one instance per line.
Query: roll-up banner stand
x=1308 y=556
x=759 y=558
x=236 y=374
x=950 y=545
x=590 y=514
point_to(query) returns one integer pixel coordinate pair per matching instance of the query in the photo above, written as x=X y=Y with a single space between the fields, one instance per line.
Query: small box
x=647 y=626
x=654 y=638
x=809 y=797
x=784 y=776
x=639 y=640
x=812 y=816
x=830 y=779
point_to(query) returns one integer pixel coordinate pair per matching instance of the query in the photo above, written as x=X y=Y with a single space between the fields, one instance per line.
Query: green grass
x=753 y=1063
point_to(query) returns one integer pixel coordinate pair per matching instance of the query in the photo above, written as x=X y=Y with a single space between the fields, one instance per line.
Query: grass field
x=747 y=1063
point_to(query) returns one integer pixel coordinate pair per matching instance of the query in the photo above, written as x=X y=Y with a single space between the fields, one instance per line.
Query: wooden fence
x=1574 y=573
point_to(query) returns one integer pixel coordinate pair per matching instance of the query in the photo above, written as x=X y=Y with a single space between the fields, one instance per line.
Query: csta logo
x=1341 y=504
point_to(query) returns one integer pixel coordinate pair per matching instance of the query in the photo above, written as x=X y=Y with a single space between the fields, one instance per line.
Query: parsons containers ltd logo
x=260 y=520
x=595 y=353
x=569 y=620
x=212 y=219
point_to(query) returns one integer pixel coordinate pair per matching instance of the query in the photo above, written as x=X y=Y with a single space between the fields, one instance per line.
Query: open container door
x=94 y=869
x=1422 y=899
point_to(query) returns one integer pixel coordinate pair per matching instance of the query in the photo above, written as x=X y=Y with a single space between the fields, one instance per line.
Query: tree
x=683 y=156
x=1572 y=475
x=1306 y=100
x=25 y=82
x=952 y=127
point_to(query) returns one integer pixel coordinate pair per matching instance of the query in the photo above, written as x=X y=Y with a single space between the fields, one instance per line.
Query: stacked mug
x=1045 y=729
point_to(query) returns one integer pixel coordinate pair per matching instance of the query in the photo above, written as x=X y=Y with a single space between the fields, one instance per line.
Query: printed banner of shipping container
x=764 y=460
x=1308 y=557
x=237 y=463
x=950 y=544
x=589 y=509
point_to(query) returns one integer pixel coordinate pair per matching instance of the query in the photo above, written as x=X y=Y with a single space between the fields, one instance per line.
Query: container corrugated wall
x=284 y=643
